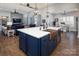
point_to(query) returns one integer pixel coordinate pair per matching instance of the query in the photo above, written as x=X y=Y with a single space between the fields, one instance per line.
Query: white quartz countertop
x=36 y=32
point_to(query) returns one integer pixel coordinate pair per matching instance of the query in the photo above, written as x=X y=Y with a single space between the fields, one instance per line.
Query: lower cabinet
x=51 y=46
x=22 y=41
x=36 y=47
x=33 y=46
x=44 y=45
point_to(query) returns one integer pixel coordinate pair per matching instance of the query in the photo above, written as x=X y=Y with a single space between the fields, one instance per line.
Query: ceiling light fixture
x=29 y=6
x=36 y=9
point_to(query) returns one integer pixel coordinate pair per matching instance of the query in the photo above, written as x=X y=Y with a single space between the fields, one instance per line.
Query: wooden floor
x=9 y=46
x=68 y=45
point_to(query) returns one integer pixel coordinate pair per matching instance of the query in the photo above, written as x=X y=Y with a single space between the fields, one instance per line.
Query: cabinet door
x=44 y=45
x=33 y=47
x=51 y=45
x=23 y=41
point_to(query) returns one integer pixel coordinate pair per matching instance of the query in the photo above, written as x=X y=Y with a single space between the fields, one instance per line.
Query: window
x=68 y=20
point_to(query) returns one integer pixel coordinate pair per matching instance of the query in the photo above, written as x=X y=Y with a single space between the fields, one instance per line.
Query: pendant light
x=47 y=11
x=36 y=9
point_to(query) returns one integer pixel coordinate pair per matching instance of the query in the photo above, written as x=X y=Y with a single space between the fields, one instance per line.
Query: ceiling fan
x=29 y=6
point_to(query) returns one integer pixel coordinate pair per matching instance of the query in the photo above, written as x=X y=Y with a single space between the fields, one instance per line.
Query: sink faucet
x=44 y=24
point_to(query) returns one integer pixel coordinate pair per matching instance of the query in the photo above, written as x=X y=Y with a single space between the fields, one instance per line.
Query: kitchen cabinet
x=37 y=43
x=33 y=46
x=44 y=45
x=55 y=38
x=22 y=41
x=51 y=46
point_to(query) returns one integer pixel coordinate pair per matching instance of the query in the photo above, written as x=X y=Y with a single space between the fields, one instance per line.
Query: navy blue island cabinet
x=36 y=46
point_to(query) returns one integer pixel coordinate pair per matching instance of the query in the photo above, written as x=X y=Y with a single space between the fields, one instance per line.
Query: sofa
x=17 y=26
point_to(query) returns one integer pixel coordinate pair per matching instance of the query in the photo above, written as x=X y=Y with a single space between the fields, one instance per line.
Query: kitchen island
x=36 y=42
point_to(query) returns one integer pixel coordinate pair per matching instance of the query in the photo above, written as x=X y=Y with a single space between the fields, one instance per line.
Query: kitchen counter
x=54 y=28
x=36 y=42
x=36 y=32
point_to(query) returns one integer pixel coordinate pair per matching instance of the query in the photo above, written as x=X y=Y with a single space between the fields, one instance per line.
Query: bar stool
x=10 y=33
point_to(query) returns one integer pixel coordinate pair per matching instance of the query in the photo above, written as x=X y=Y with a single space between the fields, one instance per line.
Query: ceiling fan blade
x=32 y=7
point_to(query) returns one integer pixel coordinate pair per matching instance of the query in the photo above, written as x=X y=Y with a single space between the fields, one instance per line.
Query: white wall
x=25 y=21
x=28 y=18
x=2 y=13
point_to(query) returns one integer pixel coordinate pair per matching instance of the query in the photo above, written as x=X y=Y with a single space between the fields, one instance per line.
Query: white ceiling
x=42 y=7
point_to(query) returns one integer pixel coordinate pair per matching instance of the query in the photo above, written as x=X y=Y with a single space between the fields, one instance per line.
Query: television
x=17 y=20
